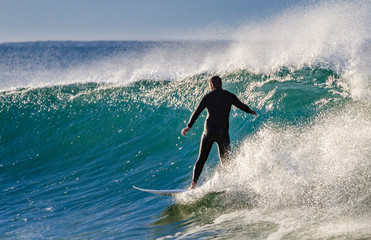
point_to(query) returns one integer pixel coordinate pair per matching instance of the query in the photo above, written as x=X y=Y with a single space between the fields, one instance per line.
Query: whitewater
x=82 y=122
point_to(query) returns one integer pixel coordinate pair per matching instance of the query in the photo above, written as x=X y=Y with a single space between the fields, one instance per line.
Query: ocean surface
x=82 y=122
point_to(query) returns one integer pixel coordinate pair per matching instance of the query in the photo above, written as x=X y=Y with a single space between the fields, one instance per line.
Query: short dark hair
x=216 y=81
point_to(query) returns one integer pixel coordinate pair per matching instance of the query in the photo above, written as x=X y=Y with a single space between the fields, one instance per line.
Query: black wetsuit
x=218 y=104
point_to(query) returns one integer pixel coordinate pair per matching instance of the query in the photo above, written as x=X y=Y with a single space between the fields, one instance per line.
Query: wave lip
x=327 y=34
x=83 y=122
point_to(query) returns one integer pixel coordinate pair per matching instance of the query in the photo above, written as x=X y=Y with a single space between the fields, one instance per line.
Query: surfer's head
x=215 y=82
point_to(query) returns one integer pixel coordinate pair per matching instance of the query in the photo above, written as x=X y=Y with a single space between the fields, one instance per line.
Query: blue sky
x=32 y=20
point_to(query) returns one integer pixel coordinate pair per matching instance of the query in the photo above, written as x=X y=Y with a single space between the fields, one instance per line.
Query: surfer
x=218 y=103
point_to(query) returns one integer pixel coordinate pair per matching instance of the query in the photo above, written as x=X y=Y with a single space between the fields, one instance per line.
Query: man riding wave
x=218 y=103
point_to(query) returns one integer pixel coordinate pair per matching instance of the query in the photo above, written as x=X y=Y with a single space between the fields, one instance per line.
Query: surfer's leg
x=224 y=148
x=205 y=147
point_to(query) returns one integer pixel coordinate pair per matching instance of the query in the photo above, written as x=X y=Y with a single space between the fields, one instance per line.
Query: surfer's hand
x=185 y=130
x=254 y=113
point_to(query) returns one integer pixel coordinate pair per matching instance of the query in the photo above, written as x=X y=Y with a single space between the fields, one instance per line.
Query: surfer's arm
x=242 y=106
x=197 y=112
x=194 y=116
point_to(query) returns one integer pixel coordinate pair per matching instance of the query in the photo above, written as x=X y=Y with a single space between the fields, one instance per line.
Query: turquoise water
x=82 y=122
x=71 y=153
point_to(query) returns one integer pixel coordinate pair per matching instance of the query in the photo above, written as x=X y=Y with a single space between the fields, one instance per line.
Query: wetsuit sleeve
x=240 y=105
x=197 y=112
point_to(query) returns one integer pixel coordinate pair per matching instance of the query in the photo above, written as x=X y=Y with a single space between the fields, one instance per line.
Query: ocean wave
x=84 y=121
x=332 y=35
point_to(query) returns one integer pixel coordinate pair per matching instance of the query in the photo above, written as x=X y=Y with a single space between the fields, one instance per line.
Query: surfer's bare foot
x=193 y=186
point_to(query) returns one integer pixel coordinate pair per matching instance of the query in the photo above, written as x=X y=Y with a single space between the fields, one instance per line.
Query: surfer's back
x=218 y=104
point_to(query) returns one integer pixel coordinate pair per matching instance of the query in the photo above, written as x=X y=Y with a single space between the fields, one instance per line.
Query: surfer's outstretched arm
x=197 y=112
x=194 y=116
x=242 y=106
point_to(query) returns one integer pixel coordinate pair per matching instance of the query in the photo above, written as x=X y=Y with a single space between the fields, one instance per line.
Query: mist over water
x=82 y=122
x=329 y=34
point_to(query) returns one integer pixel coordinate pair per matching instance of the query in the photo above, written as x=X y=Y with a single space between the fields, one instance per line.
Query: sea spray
x=81 y=122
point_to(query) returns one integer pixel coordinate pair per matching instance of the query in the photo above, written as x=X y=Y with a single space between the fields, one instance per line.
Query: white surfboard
x=163 y=192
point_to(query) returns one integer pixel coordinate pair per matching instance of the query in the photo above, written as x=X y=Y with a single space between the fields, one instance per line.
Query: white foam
x=332 y=34
x=322 y=164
